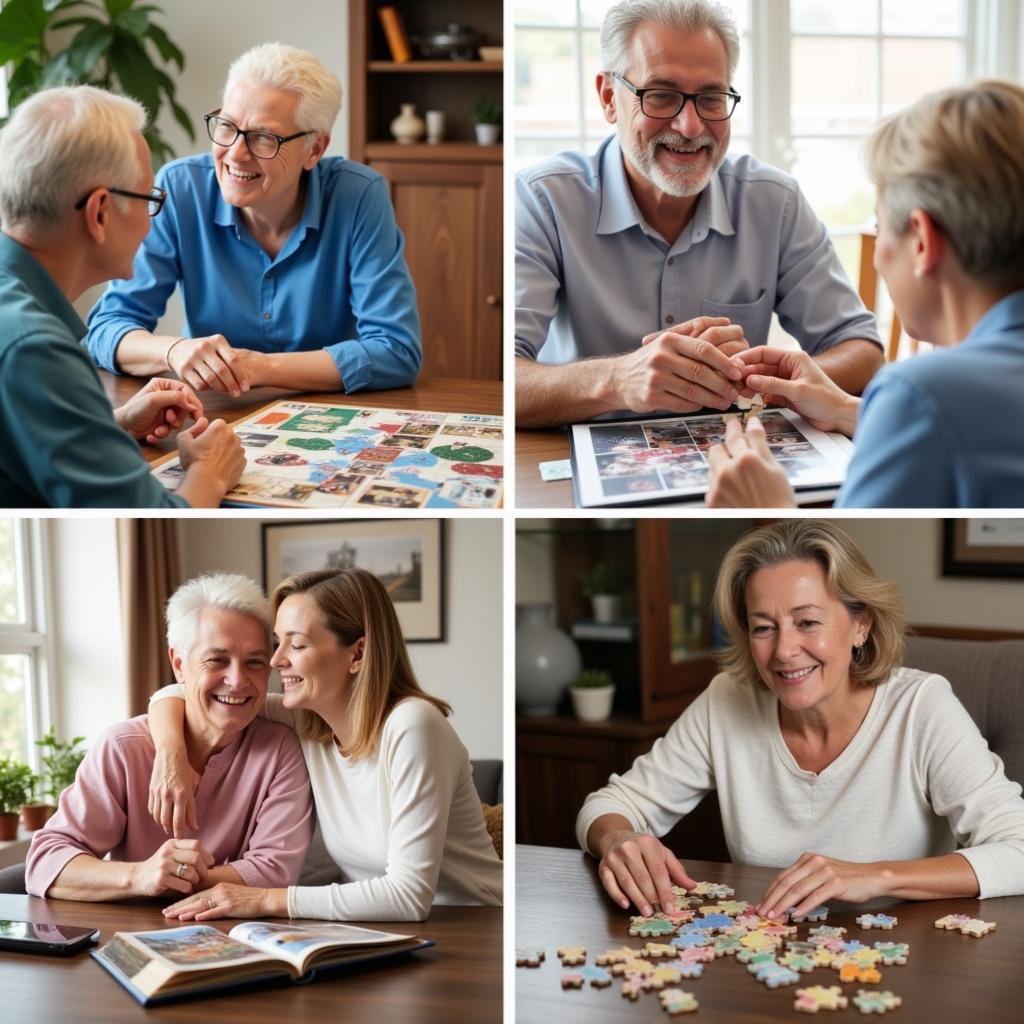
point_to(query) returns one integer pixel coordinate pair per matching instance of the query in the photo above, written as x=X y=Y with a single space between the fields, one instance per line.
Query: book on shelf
x=588 y=629
x=394 y=32
x=182 y=963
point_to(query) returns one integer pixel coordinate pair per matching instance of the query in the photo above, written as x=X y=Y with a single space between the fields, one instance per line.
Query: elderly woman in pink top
x=253 y=791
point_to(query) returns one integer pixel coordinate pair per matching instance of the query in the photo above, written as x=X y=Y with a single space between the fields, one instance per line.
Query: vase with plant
x=60 y=763
x=17 y=783
x=36 y=811
x=487 y=117
x=117 y=45
x=592 y=693
x=604 y=583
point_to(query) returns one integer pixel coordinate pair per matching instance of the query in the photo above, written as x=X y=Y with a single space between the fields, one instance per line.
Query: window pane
x=911 y=17
x=550 y=12
x=829 y=16
x=10 y=595
x=592 y=12
x=823 y=101
x=14 y=681
x=910 y=68
x=831 y=175
x=546 y=83
x=593 y=116
x=532 y=151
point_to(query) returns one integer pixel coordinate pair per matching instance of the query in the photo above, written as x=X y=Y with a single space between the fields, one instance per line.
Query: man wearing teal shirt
x=75 y=201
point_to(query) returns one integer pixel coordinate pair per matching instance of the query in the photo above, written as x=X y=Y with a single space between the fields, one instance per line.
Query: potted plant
x=487 y=116
x=592 y=693
x=117 y=46
x=604 y=583
x=35 y=815
x=16 y=784
x=60 y=762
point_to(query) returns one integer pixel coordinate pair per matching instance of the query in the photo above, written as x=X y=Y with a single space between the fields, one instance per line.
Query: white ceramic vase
x=607 y=607
x=547 y=660
x=408 y=127
x=592 y=704
x=487 y=134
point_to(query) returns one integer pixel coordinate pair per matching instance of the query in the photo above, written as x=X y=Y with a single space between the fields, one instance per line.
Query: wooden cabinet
x=448 y=196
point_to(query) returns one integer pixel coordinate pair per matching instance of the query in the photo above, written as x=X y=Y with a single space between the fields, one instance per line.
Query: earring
x=918 y=273
x=858 y=653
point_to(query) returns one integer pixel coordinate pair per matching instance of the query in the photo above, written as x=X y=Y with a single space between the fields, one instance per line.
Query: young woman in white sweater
x=391 y=781
x=857 y=777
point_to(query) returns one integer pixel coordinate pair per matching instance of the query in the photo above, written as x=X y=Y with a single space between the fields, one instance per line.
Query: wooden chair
x=867 y=285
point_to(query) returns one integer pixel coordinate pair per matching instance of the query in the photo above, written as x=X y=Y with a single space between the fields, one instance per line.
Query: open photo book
x=178 y=963
x=641 y=461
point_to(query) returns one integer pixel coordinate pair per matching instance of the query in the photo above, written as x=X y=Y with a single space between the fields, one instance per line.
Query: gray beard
x=681 y=185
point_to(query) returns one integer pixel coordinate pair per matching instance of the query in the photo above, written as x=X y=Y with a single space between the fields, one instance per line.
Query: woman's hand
x=792 y=378
x=213 y=364
x=744 y=473
x=158 y=408
x=172 y=791
x=178 y=865
x=814 y=879
x=228 y=900
x=637 y=868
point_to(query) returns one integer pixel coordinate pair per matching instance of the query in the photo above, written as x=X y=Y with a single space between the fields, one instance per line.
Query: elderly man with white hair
x=254 y=811
x=76 y=199
x=290 y=263
x=642 y=271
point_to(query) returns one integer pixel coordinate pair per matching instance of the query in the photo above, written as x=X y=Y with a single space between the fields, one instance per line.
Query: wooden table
x=948 y=976
x=532 y=448
x=458 y=979
x=437 y=394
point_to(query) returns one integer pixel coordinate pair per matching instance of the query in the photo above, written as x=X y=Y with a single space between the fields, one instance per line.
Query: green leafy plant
x=592 y=679
x=60 y=762
x=17 y=783
x=486 y=110
x=116 y=46
x=603 y=578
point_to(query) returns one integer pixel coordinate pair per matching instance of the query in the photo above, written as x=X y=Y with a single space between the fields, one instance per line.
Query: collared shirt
x=940 y=430
x=593 y=278
x=340 y=283
x=59 y=443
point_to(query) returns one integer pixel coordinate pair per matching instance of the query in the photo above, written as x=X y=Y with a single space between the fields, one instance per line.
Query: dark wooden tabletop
x=532 y=448
x=948 y=976
x=438 y=394
x=458 y=979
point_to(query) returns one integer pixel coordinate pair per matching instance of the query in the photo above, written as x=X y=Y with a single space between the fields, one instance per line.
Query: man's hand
x=172 y=791
x=797 y=382
x=728 y=342
x=178 y=865
x=674 y=371
x=211 y=364
x=161 y=406
x=744 y=473
x=213 y=446
x=228 y=900
x=814 y=878
x=637 y=868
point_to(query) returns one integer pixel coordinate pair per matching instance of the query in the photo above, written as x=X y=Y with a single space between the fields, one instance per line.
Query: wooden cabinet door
x=450 y=215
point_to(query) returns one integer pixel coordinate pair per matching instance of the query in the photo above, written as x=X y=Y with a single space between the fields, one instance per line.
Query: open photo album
x=635 y=462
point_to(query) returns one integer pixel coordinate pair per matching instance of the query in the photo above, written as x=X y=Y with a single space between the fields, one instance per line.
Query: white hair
x=229 y=591
x=59 y=144
x=622 y=20
x=285 y=67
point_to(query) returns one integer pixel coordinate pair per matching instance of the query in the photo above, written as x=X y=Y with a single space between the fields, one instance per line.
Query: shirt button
x=266 y=316
x=668 y=319
x=670 y=259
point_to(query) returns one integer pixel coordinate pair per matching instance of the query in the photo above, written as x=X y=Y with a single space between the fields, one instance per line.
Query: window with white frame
x=24 y=704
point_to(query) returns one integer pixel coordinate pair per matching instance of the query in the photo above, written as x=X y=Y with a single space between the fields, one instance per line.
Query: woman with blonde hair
x=929 y=432
x=391 y=781
x=816 y=741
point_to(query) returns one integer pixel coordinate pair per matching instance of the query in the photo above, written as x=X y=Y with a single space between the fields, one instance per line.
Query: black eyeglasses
x=155 y=197
x=262 y=144
x=667 y=103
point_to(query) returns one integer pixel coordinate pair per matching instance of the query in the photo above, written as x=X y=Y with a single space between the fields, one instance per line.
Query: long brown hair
x=355 y=604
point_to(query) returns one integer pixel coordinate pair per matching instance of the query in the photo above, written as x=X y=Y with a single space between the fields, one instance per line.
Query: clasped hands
x=638 y=869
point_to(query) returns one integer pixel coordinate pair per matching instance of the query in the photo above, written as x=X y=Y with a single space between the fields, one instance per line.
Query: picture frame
x=407 y=555
x=992 y=548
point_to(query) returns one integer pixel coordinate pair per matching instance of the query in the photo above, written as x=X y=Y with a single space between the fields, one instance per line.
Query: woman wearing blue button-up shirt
x=290 y=263
x=939 y=430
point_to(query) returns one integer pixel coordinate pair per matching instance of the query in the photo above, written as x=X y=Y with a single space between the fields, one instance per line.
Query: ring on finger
x=182 y=868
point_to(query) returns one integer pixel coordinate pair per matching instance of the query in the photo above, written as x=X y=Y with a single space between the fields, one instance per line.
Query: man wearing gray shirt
x=642 y=269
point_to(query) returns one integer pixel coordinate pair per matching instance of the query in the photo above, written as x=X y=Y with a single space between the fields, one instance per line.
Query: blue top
x=941 y=430
x=59 y=443
x=340 y=282
x=593 y=278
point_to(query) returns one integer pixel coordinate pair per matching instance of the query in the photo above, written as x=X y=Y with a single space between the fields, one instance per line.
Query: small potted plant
x=604 y=583
x=35 y=815
x=487 y=116
x=60 y=762
x=16 y=785
x=592 y=693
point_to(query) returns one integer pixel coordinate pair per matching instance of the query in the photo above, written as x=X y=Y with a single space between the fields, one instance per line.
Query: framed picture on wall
x=983 y=547
x=406 y=555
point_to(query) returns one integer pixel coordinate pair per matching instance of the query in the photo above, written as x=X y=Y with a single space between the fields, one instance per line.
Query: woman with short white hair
x=929 y=432
x=290 y=262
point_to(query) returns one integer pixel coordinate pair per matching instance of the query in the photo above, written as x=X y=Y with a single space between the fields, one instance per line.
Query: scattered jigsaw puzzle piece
x=893 y=952
x=731 y=907
x=689 y=939
x=854 y=972
x=655 y=950
x=875 y=1002
x=817 y=914
x=714 y=920
x=529 y=957
x=755 y=961
x=798 y=962
x=977 y=927
x=572 y=980
x=649 y=927
x=885 y=921
x=662 y=975
x=572 y=955
x=818 y=997
x=952 y=922
x=634 y=968
x=713 y=891
x=826 y=931
x=617 y=956
x=675 y=1000
x=776 y=975
x=597 y=976
x=632 y=987
x=727 y=945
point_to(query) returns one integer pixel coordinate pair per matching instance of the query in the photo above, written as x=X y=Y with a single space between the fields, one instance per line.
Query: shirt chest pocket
x=754 y=317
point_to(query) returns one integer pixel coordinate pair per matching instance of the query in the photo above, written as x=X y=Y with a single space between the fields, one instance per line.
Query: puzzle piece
x=865 y=957
x=753 y=922
x=733 y=908
x=885 y=921
x=529 y=957
x=712 y=891
x=776 y=975
x=675 y=1000
x=817 y=914
x=687 y=970
x=952 y=922
x=966 y=925
x=893 y=952
x=634 y=968
x=696 y=955
x=597 y=976
x=798 y=962
x=572 y=955
x=853 y=946
x=823 y=957
x=655 y=950
x=727 y=945
x=677 y=918
x=875 y=1002
x=572 y=980
x=780 y=931
x=759 y=942
x=648 y=927
x=808 y=948
x=854 y=972
x=818 y=997
x=662 y=975
x=616 y=956
x=689 y=939
x=714 y=920
x=826 y=931
x=755 y=961
x=632 y=987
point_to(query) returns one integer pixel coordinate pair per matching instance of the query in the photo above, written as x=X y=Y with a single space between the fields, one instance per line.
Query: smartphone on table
x=48 y=939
